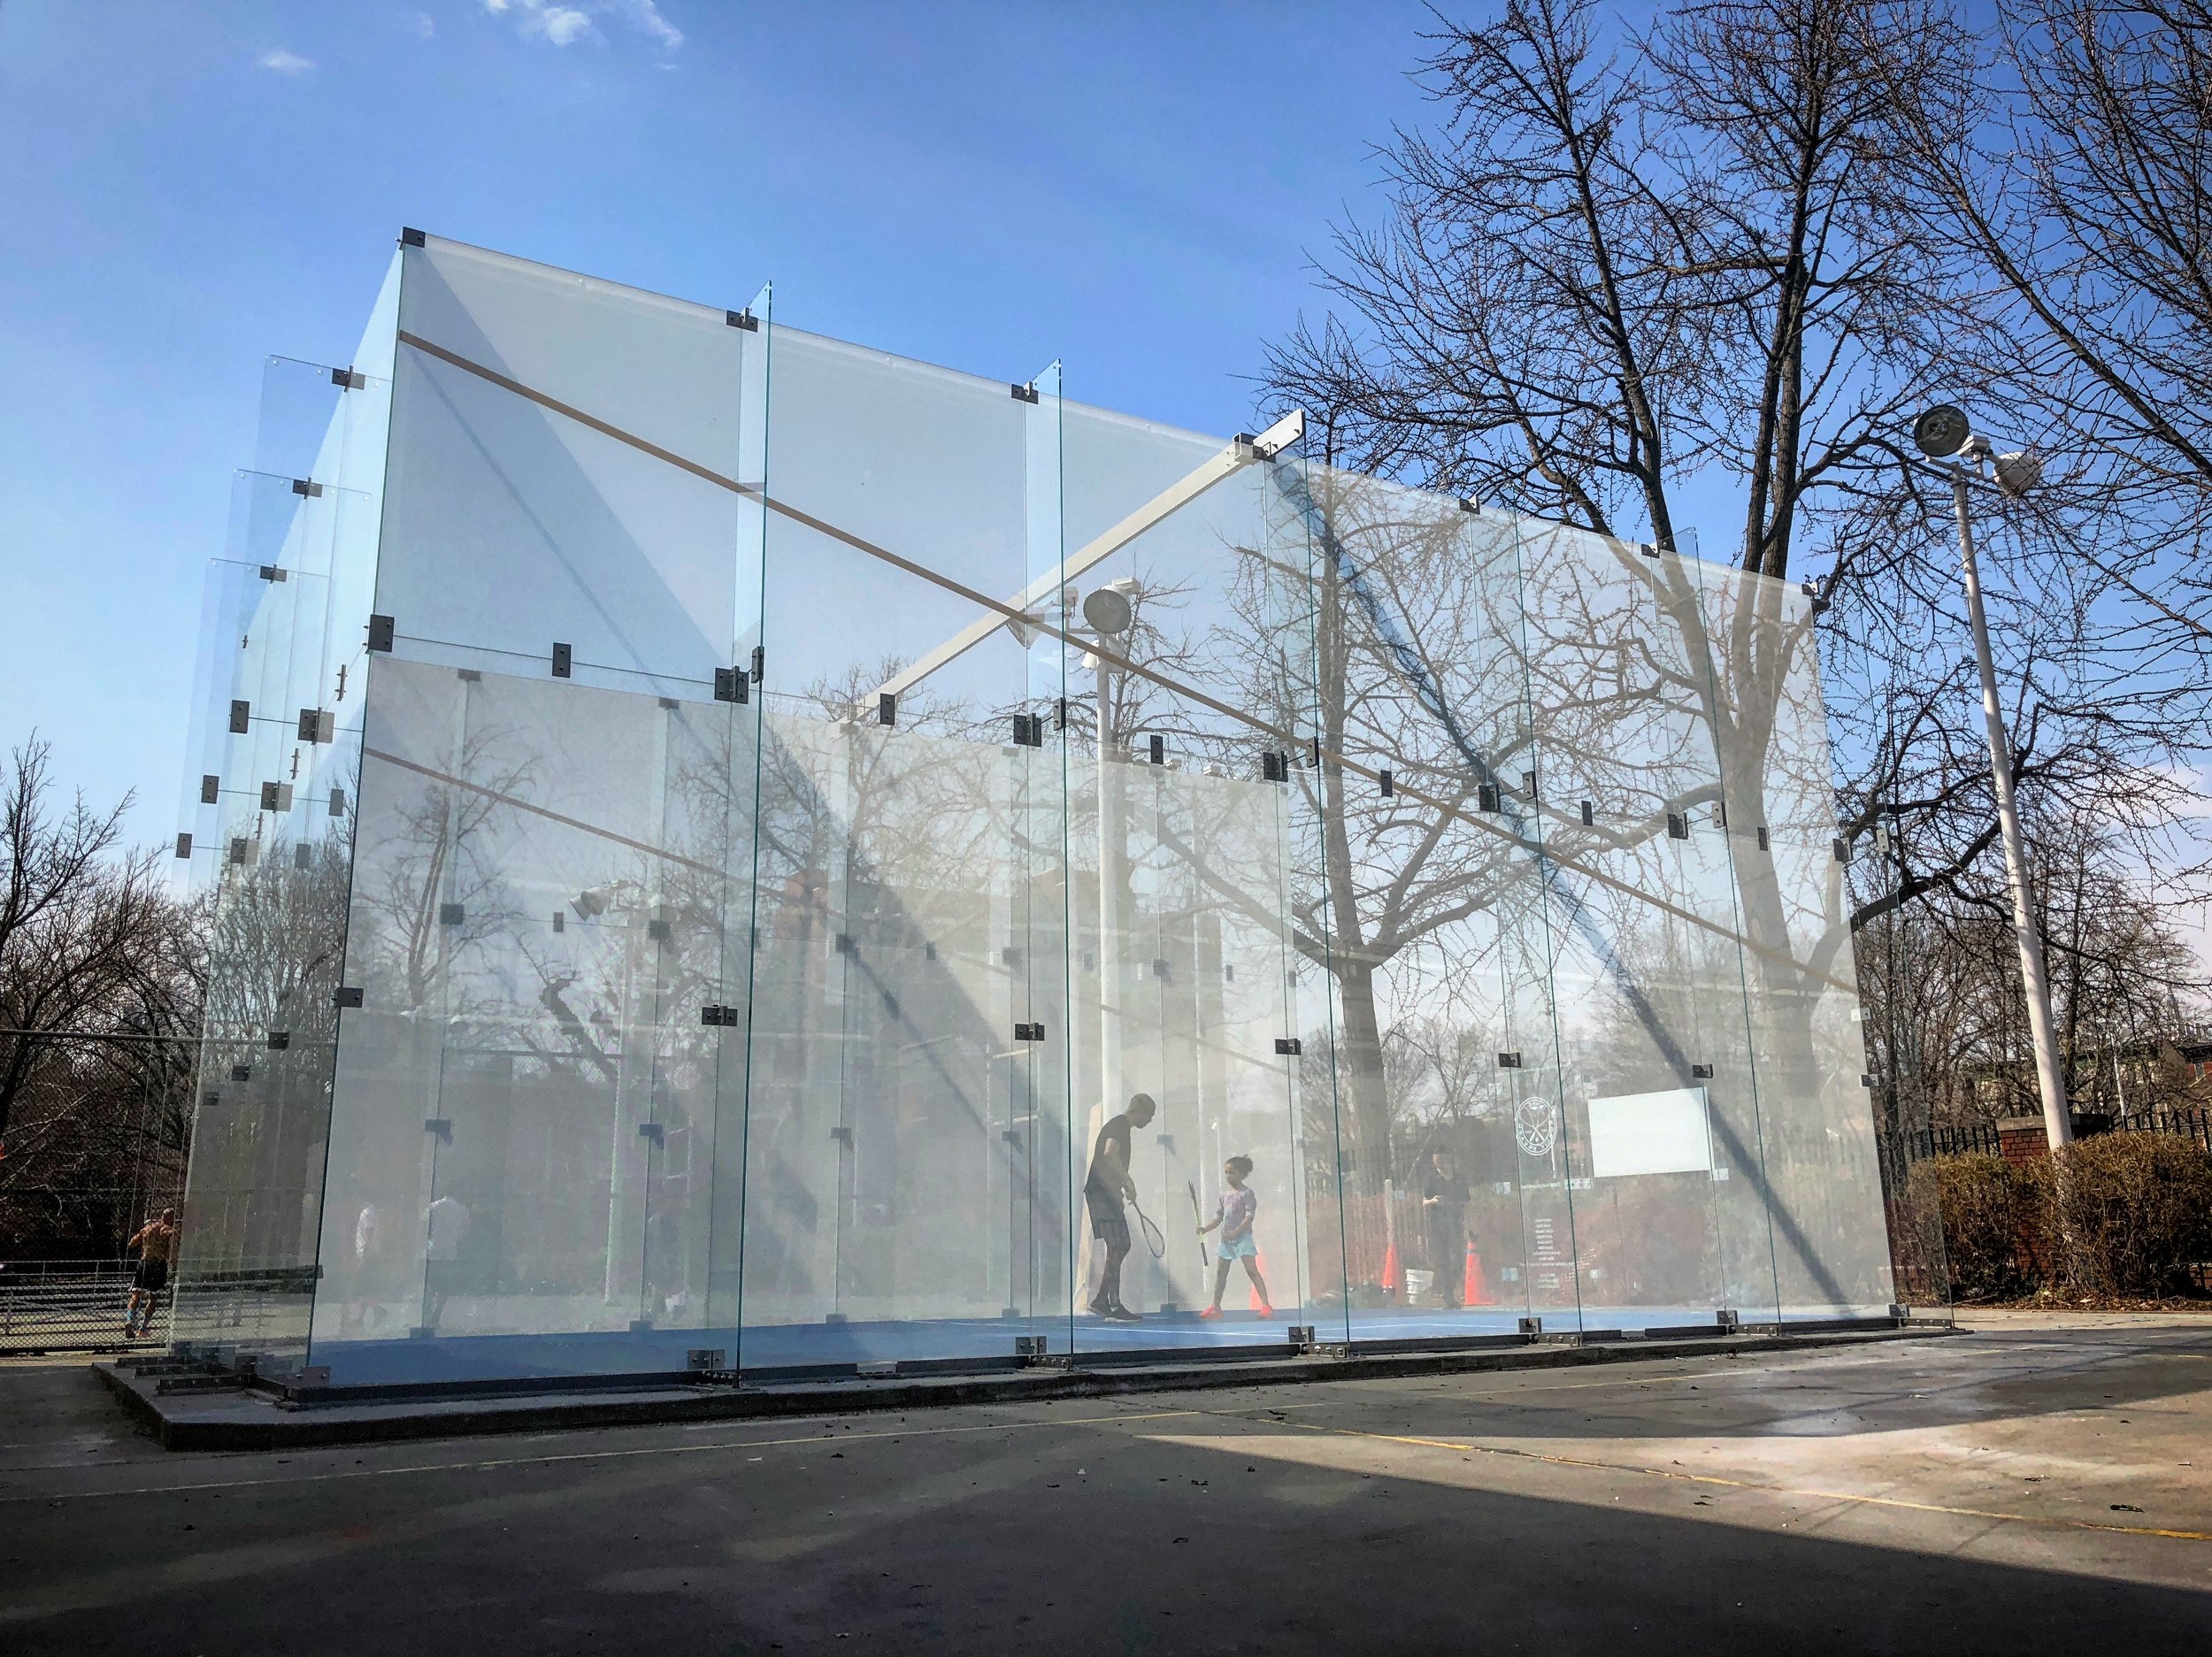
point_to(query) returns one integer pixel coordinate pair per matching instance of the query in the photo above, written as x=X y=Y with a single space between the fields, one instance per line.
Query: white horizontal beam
x=1165 y=505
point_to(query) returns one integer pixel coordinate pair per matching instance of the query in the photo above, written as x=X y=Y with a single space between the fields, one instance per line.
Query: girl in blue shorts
x=1233 y=1213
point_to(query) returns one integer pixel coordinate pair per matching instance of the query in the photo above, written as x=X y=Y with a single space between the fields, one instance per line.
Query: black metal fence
x=2194 y=1125
x=72 y=1306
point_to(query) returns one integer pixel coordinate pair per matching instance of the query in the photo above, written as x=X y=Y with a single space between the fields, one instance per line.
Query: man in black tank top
x=1106 y=1189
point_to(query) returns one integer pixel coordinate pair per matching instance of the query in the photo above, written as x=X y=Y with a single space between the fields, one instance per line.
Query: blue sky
x=189 y=188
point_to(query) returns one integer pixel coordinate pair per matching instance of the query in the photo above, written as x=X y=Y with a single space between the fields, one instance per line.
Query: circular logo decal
x=1535 y=1125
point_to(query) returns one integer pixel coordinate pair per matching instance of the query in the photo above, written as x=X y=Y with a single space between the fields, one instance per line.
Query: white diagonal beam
x=1231 y=460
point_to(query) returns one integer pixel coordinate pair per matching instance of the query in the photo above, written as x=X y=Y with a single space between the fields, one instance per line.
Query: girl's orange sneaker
x=1211 y=1311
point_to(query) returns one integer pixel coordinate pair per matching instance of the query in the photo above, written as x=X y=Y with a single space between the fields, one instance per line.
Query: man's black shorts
x=152 y=1277
x=1109 y=1223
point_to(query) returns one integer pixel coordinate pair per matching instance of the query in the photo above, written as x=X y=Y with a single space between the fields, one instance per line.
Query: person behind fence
x=1444 y=1217
x=156 y=1242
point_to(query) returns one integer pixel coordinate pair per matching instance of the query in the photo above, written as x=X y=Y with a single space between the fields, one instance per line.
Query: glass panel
x=910 y=939
x=1425 y=696
x=1190 y=642
x=532 y=1086
x=267 y=814
x=1661 y=1114
x=1831 y=1231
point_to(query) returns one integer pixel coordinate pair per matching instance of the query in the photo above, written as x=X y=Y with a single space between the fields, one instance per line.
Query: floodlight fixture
x=1108 y=608
x=1942 y=430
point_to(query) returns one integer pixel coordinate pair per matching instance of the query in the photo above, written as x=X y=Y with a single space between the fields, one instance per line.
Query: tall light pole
x=1110 y=615
x=1942 y=431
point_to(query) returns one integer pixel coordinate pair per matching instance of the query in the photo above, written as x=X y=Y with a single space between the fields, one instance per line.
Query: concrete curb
x=236 y=1419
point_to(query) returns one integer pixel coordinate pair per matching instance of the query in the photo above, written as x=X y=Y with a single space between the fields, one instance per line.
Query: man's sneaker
x=1123 y=1314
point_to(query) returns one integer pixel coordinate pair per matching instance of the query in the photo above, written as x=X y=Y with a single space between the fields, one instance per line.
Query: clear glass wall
x=766 y=854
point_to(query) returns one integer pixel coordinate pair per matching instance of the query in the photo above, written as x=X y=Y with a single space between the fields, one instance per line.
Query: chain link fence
x=72 y=1306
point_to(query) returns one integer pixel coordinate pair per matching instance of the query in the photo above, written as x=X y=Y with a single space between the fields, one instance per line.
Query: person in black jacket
x=1444 y=1218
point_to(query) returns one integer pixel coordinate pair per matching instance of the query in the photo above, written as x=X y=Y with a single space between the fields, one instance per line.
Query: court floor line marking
x=1748 y=1485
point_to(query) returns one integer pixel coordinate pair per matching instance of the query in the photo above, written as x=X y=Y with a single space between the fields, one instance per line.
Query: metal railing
x=2194 y=1125
x=72 y=1306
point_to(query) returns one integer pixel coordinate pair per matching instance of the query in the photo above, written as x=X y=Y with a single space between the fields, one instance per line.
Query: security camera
x=2017 y=474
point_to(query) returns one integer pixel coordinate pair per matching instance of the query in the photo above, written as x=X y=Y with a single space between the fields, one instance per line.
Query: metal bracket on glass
x=1589 y=815
x=1843 y=850
x=744 y=319
x=1700 y=1072
x=1024 y=394
x=1677 y=826
x=307 y=487
x=275 y=572
x=451 y=914
x=1865 y=1080
x=1726 y=1320
x=241 y=714
x=653 y=1131
x=1288 y=1046
x=443 y=1126
x=337 y=803
x=1531 y=1329
x=410 y=237
x=1029 y=730
x=1390 y=787
x=887 y=709
x=241 y=851
x=1301 y=1337
x=730 y=685
x=1029 y=1032
x=349 y=379
x=1274 y=767
x=1812 y=592
x=560 y=661
x=843 y=1135
x=1509 y=1061
x=707 y=1359
x=1468 y=503
x=720 y=1017
x=279 y=1039
x=242 y=1072
x=1486 y=796
x=1763 y=837
x=211 y=787
x=381 y=631
x=276 y=796
x=1157 y=746
x=318 y=725
x=345 y=995
x=184 y=845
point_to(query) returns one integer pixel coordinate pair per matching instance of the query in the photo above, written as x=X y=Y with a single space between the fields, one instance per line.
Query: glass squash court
x=706 y=823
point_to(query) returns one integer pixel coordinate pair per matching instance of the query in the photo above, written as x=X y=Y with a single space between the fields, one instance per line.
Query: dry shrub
x=2139 y=1209
x=1988 y=1210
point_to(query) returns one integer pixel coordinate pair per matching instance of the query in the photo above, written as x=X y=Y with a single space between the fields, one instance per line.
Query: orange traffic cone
x=1473 y=1290
x=1391 y=1278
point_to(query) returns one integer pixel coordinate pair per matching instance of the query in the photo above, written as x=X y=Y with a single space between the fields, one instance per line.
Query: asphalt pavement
x=2030 y=1484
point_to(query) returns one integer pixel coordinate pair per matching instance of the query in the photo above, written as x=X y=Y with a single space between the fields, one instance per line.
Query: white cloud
x=559 y=24
x=425 y=26
x=283 y=62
